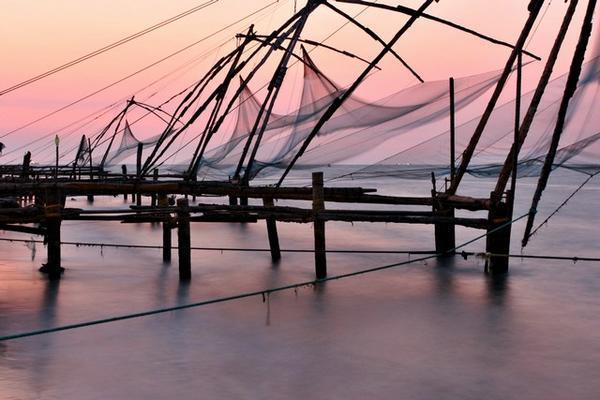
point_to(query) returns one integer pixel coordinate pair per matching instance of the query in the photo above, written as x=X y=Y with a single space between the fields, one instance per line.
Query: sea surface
x=435 y=329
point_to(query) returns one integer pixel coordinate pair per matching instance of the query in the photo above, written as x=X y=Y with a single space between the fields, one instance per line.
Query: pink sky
x=39 y=35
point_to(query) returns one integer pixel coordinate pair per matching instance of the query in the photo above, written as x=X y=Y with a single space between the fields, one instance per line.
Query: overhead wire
x=106 y=48
x=181 y=50
x=263 y=293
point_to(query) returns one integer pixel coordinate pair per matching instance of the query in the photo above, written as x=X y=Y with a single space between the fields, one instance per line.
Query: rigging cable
x=136 y=72
x=107 y=47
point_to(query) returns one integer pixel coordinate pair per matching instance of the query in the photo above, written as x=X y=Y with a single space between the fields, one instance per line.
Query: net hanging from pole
x=579 y=142
x=356 y=127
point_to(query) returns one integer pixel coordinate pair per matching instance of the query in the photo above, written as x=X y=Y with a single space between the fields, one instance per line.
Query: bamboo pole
x=570 y=88
x=534 y=10
x=535 y=101
x=337 y=103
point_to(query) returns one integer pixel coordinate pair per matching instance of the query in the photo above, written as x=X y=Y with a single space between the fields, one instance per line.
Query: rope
x=564 y=203
x=262 y=293
x=45 y=116
x=464 y=254
x=221 y=249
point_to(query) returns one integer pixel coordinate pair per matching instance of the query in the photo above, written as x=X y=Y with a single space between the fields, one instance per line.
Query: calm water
x=422 y=331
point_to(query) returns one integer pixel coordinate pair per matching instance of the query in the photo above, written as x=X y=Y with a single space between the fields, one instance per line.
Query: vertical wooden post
x=183 y=239
x=272 y=232
x=452 y=133
x=124 y=171
x=56 y=142
x=140 y=149
x=498 y=238
x=319 y=225
x=155 y=178
x=90 y=197
x=52 y=211
x=513 y=181
x=167 y=226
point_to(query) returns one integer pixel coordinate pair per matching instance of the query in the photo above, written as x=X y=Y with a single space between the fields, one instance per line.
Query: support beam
x=498 y=239
x=153 y=196
x=319 y=225
x=167 y=226
x=140 y=149
x=505 y=173
x=272 y=232
x=52 y=209
x=534 y=11
x=452 y=132
x=339 y=101
x=183 y=240
x=445 y=232
x=124 y=171
x=570 y=88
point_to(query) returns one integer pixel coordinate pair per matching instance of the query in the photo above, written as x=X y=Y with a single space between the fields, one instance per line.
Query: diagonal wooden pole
x=570 y=88
x=535 y=101
x=534 y=10
x=337 y=103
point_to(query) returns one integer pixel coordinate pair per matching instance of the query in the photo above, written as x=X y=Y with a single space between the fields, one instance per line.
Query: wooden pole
x=498 y=240
x=153 y=198
x=534 y=10
x=124 y=171
x=167 y=226
x=52 y=212
x=570 y=88
x=56 y=141
x=528 y=119
x=90 y=197
x=140 y=149
x=272 y=231
x=319 y=225
x=513 y=183
x=183 y=239
x=452 y=133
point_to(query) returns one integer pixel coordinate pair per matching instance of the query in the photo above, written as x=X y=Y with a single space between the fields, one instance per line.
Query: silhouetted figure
x=26 y=162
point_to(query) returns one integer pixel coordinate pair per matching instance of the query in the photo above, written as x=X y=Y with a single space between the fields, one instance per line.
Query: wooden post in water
x=319 y=225
x=167 y=226
x=272 y=232
x=90 y=197
x=52 y=212
x=183 y=239
x=445 y=233
x=140 y=149
x=452 y=133
x=498 y=238
x=124 y=171
x=153 y=198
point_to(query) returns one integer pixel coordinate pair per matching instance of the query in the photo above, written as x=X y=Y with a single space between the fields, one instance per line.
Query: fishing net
x=358 y=126
x=578 y=149
x=128 y=146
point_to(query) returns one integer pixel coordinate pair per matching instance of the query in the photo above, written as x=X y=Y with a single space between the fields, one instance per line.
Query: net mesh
x=356 y=127
x=577 y=151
